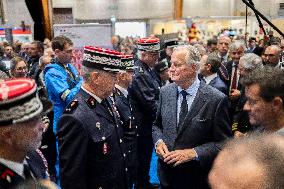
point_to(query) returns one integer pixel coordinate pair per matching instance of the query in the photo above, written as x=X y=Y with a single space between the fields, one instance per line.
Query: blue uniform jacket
x=61 y=87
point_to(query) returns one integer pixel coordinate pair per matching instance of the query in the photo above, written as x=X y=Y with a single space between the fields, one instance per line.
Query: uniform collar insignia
x=72 y=106
x=91 y=102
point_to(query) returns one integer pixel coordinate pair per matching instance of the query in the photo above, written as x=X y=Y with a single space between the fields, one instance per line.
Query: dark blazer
x=144 y=95
x=10 y=179
x=219 y=84
x=91 y=149
x=205 y=128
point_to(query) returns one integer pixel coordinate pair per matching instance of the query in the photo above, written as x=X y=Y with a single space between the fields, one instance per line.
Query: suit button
x=126 y=169
x=124 y=155
x=120 y=140
x=116 y=125
x=103 y=138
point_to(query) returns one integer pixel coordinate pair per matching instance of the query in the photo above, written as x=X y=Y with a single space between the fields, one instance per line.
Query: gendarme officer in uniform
x=123 y=105
x=91 y=146
x=144 y=95
x=21 y=131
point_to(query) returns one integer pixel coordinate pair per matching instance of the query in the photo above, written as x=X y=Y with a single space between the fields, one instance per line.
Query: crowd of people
x=213 y=113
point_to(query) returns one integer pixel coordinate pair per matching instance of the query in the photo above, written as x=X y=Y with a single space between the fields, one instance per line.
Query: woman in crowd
x=19 y=67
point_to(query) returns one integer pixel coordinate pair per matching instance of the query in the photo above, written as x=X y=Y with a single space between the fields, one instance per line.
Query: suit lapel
x=104 y=112
x=213 y=81
x=197 y=104
x=172 y=100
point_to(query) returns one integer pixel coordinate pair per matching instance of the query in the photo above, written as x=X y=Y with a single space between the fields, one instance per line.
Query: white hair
x=237 y=44
x=192 y=55
x=251 y=61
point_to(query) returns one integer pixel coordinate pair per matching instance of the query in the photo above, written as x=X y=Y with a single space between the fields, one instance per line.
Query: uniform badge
x=98 y=125
x=91 y=102
x=71 y=107
x=141 y=70
x=7 y=174
x=105 y=148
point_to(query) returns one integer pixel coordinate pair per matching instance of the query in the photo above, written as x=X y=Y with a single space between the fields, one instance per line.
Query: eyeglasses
x=21 y=68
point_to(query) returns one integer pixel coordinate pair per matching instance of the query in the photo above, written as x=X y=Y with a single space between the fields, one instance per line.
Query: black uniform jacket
x=91 y=149
x=144 y=95
x=10 y=179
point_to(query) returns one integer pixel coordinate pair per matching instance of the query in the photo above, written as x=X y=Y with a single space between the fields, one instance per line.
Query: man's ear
x=277 y=103
x=57 y=51
x=208 y=67
x=94 y=75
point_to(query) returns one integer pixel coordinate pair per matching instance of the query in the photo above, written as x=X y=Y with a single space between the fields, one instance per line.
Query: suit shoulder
x=168 y=87
x=213 y=92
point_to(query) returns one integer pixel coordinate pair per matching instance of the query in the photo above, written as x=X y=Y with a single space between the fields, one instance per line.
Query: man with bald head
x=192 y=121
x=255 y=162
x=272 y=56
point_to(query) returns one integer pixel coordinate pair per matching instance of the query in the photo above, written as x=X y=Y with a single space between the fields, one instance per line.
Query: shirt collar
x=209 y=78
x=192 y=89
x=123 y=90
x=94 y=96
x=224 y=57
x=15 y=166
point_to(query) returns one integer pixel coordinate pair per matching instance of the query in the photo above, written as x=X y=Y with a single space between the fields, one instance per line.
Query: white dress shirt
x=123 y=90
x=93 y=95
x=209 y=78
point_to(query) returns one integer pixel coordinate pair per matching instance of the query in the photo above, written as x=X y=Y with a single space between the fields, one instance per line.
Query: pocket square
x=202 y=119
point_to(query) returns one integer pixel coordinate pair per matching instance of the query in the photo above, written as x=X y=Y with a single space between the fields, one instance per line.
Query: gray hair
x=276 y=47
x=192 y=54
x=251 y=61
x=200 y=48
x=237 y=44
x=86 y=73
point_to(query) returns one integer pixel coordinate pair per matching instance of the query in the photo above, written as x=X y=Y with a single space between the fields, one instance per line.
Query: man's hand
x=238 y=134
x=234 y=94
x=162 y=150
x=180 y=156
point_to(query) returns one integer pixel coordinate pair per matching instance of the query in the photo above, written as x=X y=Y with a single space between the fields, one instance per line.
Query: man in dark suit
x=191 y=124
x=91 y=147
x=237 y=50
x=21 y=131
x=144 y=94
x=209 y=66
x=124 y=108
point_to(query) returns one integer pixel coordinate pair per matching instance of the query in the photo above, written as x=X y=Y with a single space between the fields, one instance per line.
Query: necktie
x=27 y=172
x=183 y=108
x=234 y=79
